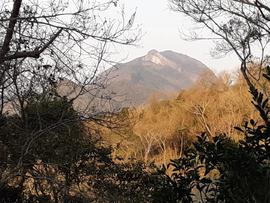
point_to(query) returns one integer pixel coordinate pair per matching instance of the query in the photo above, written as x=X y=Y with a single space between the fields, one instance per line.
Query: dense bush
x=47 y=151
x=50 y=155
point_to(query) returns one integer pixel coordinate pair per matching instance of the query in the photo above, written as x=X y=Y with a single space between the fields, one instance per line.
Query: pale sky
x=161 y=28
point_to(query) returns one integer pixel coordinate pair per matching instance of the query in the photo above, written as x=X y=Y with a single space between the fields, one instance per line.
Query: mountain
x=159 y=73
x=133 y=83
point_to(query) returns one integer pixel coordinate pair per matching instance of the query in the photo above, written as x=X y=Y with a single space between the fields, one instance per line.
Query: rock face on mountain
x=155 y=73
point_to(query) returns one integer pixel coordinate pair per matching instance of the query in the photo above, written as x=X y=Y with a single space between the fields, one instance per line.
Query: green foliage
x=218 y=170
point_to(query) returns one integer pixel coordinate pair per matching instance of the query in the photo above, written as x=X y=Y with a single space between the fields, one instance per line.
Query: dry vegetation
x=161 y=130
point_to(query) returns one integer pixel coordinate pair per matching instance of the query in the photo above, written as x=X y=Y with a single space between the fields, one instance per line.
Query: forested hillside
x=161 y=130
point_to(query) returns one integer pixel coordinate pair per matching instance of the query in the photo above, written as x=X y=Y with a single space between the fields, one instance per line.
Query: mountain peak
x=155 y=57
x=156 y=72
x=153 y=51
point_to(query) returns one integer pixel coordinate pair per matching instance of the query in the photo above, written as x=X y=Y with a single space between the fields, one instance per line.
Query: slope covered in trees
x=161 y=130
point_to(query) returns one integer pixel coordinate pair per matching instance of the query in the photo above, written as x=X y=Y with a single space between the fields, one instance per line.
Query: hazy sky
x=161 y=28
